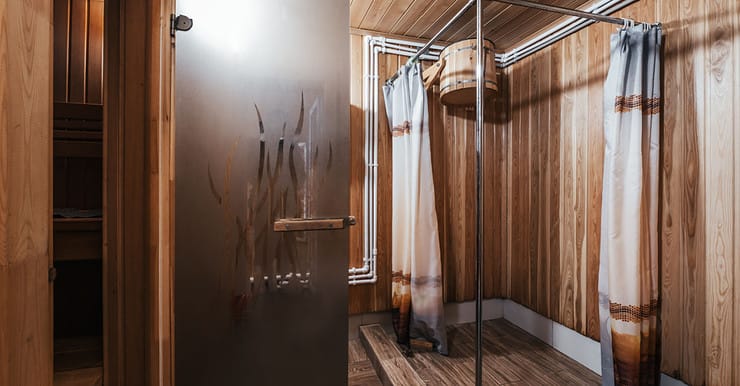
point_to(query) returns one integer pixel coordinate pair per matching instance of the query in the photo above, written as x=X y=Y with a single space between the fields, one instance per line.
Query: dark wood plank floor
x=360 y=369
x=511 y=357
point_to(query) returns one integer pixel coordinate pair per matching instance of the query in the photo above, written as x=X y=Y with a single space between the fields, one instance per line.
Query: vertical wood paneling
x=671 y=198
x=692 y=59
x=463 y=150
x=459 y=193
x=720 y=190
x=61 y=49
x=493 y=198
x=503 y=132
x=490 y=209
x=446 y=245
x=25 y=192
x=519 y=181
x=736 y=252
x=568 y=259
x=523 y=189
x=439 y=171
x=508 y=182
x=533 y=188
x=580 y=138
x=78 y=51
x=496 y=193
x=543 y=197
x=598 y=50
x=554 y=219
x=511 y=164
x=94 y=72
x=382 y=300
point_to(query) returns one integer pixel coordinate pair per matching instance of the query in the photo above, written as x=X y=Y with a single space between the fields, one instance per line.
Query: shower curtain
x=628 y=269
x=417 y=274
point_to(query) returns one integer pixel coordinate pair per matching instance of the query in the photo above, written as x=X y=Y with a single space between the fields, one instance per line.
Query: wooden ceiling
x=505 y=24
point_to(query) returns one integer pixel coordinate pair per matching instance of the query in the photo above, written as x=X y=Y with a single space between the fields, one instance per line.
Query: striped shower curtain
x=417 y=270
x=628 y=270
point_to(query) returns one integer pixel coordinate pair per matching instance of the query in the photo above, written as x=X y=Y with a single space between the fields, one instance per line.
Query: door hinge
x=52 y=274
x=180 y=23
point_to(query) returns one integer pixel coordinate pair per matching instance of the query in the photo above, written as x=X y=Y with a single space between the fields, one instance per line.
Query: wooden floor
x=511 y=357
x=360 y=369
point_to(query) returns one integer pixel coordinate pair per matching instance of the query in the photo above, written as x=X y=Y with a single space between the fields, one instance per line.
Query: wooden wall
x=453 y=163
x=555 y=157
x=25 y=192
x=78 y=51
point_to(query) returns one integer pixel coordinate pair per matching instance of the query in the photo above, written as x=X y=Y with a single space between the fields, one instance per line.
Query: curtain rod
x=568 y=11
x=434 y=39
x=521 y=3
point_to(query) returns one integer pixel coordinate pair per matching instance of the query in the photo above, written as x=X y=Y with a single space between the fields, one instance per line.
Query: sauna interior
x=349 y=192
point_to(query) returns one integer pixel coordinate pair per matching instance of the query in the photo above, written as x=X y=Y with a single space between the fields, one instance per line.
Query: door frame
x=138 y=224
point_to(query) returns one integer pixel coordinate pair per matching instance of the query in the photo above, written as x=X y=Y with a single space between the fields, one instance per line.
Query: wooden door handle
x=312 y=224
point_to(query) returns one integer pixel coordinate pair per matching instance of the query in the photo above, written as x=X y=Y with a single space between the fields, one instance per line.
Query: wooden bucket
x=457 y=82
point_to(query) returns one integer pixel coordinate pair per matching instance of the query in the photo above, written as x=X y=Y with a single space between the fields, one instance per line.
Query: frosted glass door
x=261 y=134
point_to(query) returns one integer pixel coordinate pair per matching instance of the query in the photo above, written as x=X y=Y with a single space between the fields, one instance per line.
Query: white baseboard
x=459 y=313
x=582 y=349
x=667 y=380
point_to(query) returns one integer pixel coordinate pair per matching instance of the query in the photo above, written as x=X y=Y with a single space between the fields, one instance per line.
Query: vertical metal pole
x=479 y=108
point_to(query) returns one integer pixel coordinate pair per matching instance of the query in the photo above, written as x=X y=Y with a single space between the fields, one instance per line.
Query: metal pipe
x=565 y=11
x=560 y=31
x=372 y=47
x=479 y=109
x=444 y=29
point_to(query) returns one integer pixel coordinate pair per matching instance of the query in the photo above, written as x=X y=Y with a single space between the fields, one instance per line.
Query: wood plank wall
x=453 y=163
x=555 y=158
x=25 y=192
x=78 y=51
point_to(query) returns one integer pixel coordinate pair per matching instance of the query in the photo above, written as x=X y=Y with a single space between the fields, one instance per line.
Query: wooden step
x=360 y=371
x=390 y=364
